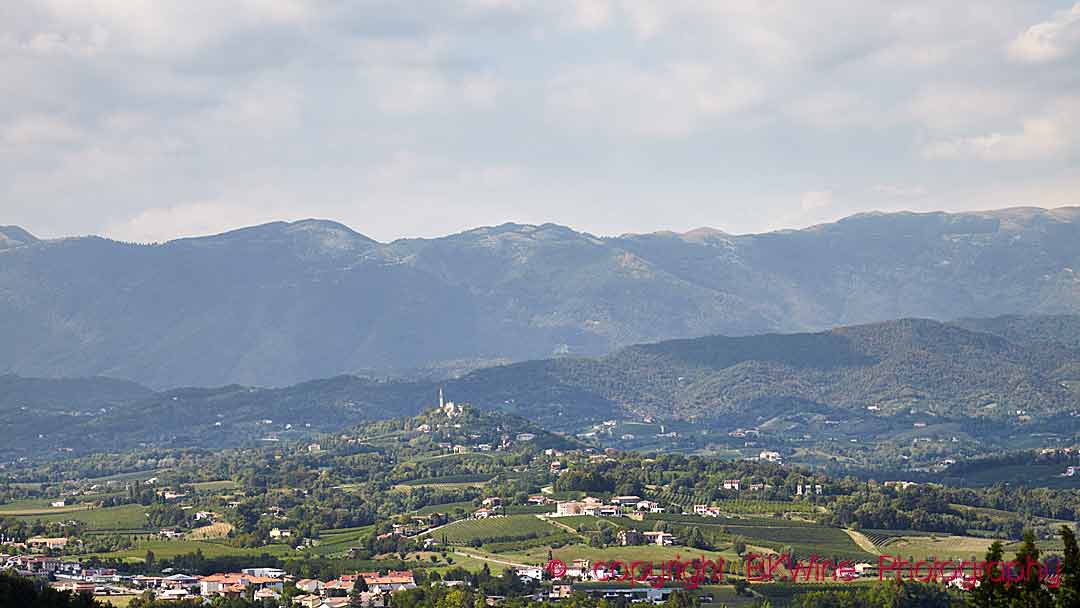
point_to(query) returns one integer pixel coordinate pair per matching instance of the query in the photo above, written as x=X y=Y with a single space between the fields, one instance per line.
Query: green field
x=470 y=531
x=171 y=548
x=804 y=541
x=124 y=517
x=215 y=486
x=339 y=540
x=448 y=479
x=449 y=507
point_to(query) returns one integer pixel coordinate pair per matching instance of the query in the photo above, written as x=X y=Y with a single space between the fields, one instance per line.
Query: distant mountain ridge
x=882 y=376
x=281 y=303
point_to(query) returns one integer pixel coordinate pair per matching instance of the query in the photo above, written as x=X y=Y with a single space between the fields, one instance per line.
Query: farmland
x=496 y=529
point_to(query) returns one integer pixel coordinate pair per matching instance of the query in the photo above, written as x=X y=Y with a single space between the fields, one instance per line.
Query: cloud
x=1040 y=137
x=145 y=117
x=1050 y=40
x=39 y=129
x=668 y=101
x=815 y=200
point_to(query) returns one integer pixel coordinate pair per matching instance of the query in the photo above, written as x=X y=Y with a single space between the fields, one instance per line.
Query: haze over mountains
x=281 y=303
x=878 y=378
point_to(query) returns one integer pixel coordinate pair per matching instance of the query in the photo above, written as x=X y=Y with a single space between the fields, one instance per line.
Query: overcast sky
x=149 y=119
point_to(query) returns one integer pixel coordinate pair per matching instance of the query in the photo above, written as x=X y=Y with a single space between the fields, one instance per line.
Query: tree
x=359 y=586
x=1068 y=593
x=991 y=592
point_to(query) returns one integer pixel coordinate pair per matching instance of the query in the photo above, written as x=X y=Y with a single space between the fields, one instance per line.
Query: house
x=707 y=511
x=39 y=542
x=393 y=581
x=648 y=506
x=266 y=593
x=58 y=503
x=179 y=581
x=658 y=537
x=770 y=456
x=236 y=584
x=570 y=507
x=309 y=585
x=629 y=537
x=264 y=572
x=307 y=601
x=280 y=533
x=483 y=513
x=531 y=572
x=625 y=501
x=540 y=499
x=492 y=501
x=731 y=484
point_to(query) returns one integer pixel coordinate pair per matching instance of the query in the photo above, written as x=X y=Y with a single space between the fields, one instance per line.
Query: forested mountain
x=910 y=369
x=282 y=303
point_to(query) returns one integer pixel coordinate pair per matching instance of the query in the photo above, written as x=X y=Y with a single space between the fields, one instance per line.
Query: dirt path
x=491 y=559
x=864 y=543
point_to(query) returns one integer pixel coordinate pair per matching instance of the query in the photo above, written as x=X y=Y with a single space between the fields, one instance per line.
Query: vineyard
x=496 y=530
x=804 y=541
x=686 y=502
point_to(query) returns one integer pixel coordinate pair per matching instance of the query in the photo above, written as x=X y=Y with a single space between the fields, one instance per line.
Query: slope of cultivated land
x=124 y=517
x=218 y=530
x=495 y=529
x=941 y=547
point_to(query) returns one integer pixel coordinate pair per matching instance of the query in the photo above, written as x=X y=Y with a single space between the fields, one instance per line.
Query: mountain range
x=1012 y=372
x=282 y=303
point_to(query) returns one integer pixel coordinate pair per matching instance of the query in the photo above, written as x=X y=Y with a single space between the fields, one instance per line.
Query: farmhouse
x=658 y=537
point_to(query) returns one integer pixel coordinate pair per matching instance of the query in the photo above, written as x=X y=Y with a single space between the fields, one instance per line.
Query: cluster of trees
x=27 y=593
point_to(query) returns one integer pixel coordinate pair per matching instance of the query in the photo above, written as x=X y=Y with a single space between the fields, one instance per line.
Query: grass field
x=339 y=540
x=804 y=541
x=116 y=601
x=215 y=486
x=218 y=530
x=21 y=508
x=449 y=507
x=125 y=517
x=171 y=548
x=449 y=479
x=483 y=530
x=942 y=547
x=653 y=553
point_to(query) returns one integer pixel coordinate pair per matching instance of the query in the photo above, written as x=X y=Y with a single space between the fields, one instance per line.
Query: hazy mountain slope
x=1063 y=330
x=280 y=303
x=13 y=236
x=939 y=370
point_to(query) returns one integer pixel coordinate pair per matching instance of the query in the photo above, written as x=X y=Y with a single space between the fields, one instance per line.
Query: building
x=731 y=484
x=568 y=508
x=770 y=456
x=280 y=533
x=657 y=537
x=625 y=501
x=648 y=506
x=629 y=537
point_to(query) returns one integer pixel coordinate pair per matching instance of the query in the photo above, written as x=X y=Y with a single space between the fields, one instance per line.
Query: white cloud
x=1040 y=137
x=407 y=118
x=670 y=101
x=39 y=129
x=816 y=200
x=1049 y=40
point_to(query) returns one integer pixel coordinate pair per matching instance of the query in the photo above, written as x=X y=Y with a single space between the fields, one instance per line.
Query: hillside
x=282 y=303
x=887 y=375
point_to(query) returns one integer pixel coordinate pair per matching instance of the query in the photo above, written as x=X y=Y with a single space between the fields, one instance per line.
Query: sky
x=144 y=120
